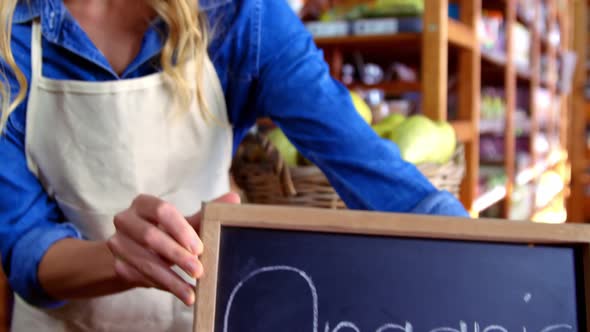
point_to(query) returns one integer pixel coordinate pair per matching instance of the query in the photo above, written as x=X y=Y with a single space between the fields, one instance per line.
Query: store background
x=519 y=129
x=510 y=76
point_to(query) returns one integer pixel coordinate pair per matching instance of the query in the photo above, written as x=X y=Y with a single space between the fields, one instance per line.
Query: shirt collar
x=27 y=11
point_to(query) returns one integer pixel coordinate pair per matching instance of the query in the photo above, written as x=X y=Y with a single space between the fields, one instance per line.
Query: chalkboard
x=279 y=279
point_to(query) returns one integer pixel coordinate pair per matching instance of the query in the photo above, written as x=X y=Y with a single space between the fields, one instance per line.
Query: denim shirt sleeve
x=30 y=222
x=296 y=90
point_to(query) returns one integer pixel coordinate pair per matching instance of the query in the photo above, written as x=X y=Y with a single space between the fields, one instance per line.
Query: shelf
x=490 y=162
x=497 y=71
x=400 y=39
x=464 y=130
x=390 y=88
x=494 y=58
x=461 y=35
x=443 y=39
x=489 y=199
x=493 y=65
x=498 y=62
x=458 y=34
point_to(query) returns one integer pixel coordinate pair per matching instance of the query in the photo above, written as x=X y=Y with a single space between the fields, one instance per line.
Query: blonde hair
x=6 y=105
x=187 y=40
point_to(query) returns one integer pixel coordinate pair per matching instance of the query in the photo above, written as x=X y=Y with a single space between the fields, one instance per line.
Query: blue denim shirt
x=268 y=66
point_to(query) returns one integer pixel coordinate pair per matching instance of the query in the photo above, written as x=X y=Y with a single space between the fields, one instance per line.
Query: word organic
x=347 y=326
x=463 y=327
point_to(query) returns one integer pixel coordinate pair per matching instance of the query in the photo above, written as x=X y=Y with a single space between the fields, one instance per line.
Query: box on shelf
x=491 y=33
x=328 y=29
x=522 y=46
x=386 y=26
x=364 y=27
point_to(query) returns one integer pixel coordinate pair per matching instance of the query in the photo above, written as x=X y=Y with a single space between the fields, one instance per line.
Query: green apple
x=388 y=124
x=417 y=139
x=361 y=107
x=447 y=142
x=287 y=150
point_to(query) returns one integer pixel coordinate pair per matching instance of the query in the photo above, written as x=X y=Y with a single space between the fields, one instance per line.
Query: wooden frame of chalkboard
x=216 y=216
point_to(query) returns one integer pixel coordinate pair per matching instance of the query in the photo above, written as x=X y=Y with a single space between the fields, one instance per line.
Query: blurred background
x=508 y=76
x=488 y=98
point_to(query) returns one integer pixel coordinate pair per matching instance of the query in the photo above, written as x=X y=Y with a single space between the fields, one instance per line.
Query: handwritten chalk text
x=347 y=326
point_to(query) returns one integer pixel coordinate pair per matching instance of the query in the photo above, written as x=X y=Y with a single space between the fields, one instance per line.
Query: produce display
x=419 y=139
x=373 y=8
x=387 y=126
x=287 y=150
x=422 y=140
x=493 y=107
x=362 y=108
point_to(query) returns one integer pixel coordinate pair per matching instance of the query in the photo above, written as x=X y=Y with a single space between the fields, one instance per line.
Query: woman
x=123 y=119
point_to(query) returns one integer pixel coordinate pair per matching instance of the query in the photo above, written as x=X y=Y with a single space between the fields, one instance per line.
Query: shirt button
x=52 y=19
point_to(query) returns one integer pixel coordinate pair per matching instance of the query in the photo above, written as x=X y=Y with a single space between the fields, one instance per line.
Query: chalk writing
x=270 y=269
x=350 y=326
x=528 y=297
x=343 y=325
x=395 y=327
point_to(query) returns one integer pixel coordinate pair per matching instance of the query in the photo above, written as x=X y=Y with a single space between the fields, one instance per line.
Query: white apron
x=95 y=147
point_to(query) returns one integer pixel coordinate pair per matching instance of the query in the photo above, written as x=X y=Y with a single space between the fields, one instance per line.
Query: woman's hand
x=151 y=237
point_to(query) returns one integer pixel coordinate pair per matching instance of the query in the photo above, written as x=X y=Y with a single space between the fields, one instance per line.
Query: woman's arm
x=151 y=236
x=44 y=257
x=30 y=223
x=73 y=269
x=41 y=252
x=296 y=90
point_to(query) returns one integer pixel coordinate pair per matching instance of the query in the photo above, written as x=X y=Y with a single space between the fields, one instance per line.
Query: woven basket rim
x=272 y=181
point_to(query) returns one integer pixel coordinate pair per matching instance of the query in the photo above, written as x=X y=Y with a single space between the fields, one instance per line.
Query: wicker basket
x=264 y=178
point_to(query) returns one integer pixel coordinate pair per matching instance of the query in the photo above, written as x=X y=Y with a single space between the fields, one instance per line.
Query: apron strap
x=36 y=51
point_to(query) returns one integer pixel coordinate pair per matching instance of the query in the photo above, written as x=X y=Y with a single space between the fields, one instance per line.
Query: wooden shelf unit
x=578 y=202
x=441 y=35
x=393 y=88
x=432 y=46
x=513 y=77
